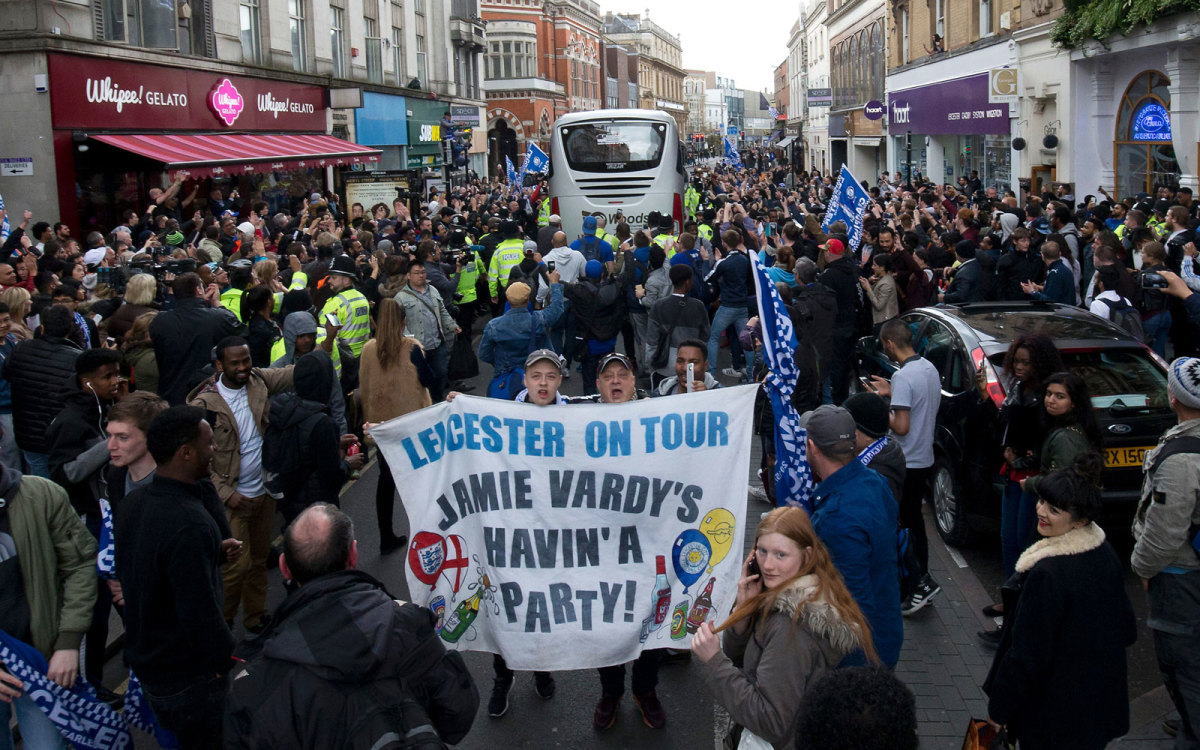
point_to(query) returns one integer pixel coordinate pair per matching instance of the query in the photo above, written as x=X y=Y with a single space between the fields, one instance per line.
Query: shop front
x=950 y=129
x=123 y=128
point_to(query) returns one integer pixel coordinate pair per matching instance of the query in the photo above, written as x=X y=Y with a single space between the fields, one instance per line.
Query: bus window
x=614 y=146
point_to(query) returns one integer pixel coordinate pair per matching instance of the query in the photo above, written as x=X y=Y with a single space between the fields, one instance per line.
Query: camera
x=1151 y=280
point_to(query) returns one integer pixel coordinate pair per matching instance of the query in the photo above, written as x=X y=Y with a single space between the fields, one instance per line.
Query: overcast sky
x=739 y=40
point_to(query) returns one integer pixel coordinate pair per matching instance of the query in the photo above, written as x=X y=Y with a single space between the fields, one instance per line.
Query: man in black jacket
x=343 y=663
x=968 y=282
x=170 y=544
x=841 y=276
x=42 y=375
x=184 y=336
x=599 y=312
x=78 y=454
x=1018 y=266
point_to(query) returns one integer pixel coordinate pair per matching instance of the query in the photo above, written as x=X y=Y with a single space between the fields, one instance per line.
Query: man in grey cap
x=855 y=515
x=1165 y=548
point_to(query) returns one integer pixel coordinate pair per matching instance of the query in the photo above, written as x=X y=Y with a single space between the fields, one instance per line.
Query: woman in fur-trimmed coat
x=791 y=623
x=1059 y=677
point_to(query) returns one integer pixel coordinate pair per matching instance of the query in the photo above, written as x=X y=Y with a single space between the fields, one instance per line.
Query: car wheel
x=947 y=500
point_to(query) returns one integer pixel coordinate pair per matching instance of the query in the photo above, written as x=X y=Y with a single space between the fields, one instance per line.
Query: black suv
x=1128 y=384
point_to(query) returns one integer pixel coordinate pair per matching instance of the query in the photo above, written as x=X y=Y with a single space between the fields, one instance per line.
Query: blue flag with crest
x=793 y=475
x=512 y=173
x=731 y=154
x=849 y=203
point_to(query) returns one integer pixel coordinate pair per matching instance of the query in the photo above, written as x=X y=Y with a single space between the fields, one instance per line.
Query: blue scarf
x=873 y=450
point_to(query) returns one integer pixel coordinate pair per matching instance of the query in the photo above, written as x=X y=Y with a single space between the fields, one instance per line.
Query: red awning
x=235 y=153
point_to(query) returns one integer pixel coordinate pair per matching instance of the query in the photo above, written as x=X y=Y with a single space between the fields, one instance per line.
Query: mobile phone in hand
x=754 y=569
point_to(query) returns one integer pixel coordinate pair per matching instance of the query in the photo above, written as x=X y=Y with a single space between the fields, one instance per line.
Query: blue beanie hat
x=594 y=269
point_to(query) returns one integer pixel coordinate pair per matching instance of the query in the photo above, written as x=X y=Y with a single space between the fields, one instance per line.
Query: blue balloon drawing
x=690 y=556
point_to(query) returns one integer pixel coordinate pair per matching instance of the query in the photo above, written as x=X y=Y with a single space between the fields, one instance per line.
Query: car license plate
x=1118 y=458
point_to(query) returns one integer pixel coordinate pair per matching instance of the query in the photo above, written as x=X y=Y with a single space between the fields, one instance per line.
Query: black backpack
x=286 y=451
x=1126 y=317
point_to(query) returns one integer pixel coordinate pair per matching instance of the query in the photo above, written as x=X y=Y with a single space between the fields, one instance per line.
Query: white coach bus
x=622 y=162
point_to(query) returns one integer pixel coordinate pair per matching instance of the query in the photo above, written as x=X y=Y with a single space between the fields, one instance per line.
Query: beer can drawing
x=679 y=621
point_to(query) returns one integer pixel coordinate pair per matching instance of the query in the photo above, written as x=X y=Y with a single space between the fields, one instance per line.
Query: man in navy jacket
x=1060 y=282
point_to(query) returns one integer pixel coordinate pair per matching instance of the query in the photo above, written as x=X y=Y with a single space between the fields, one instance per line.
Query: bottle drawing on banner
x=679 y=621
x=662 y=593
x=464 y=614
x=701 y=608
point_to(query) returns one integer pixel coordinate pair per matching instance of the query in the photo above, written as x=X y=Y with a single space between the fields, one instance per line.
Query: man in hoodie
x=78 y=454
x=327 y=673
x=304 y=438
x=302 y=335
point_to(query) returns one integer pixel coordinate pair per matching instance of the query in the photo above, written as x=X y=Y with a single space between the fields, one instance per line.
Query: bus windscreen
x=614 y=146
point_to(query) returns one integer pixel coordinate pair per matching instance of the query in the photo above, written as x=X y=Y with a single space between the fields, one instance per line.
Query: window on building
x=374 y=49
x=250 y=31
x=421 y=59
x=299 y=33
x=1143 y=146
x=939 y=19
x=142 y=23
x=985 y=17
x=337 y=40
x=398 y=55
x=904 y=36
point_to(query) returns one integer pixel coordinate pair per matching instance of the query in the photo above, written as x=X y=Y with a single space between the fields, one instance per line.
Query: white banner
x=569 y=537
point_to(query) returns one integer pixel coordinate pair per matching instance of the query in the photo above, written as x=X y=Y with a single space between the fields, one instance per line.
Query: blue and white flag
x=5 y=226
x=512 y=174
x=731 y=154
x=140 y=715
x=106 y=557
x=849 y=204
x=774 y=113
x=82 y=720
x=536 y=160
x=793 y=475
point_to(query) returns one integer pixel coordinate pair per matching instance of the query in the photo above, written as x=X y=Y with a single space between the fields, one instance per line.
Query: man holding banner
x=47 y=590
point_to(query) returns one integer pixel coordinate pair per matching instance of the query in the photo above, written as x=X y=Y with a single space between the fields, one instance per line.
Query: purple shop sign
x=957 y=107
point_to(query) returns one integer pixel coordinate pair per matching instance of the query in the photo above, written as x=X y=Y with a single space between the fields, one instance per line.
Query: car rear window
x=1120 y=377
x=1115 y=377
x=1007 y=325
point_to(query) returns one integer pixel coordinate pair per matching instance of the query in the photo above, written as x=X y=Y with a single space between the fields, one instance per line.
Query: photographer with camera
x=1156 y=318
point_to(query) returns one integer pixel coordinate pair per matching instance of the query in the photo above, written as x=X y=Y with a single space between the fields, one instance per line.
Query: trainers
x=757 y=493
x=924 y=592
x=606 y=712
x=544 y=685
x=498 y=703
x=989 y=638
x=653 y=714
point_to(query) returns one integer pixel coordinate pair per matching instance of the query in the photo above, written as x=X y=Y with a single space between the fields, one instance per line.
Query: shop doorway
x=1143 y=152
x=502 y=142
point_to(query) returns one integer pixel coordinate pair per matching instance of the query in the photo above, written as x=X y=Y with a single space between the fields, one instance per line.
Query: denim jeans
x=1018 y=510
x=727 y=315
x=1175 y=622
x=1157 y=327
x=39 y=464
x=562 y=334
x=439 y=362
x=37 y=733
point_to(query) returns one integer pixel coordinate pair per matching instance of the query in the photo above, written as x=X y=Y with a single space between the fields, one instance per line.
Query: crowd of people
x=174 y=382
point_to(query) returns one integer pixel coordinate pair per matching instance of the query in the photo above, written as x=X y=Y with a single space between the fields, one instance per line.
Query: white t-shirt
x=917 y=387
x=250 y=477
x=1099 y=308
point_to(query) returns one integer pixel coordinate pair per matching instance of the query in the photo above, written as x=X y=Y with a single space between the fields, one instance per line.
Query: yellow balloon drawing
x=718 y=526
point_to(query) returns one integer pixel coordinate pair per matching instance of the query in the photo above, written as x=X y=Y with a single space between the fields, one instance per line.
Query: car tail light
x=554 y=205
x=677 y=210
x=995 y=390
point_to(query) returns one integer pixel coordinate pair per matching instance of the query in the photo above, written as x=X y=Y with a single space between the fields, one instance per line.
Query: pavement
x=942 y=662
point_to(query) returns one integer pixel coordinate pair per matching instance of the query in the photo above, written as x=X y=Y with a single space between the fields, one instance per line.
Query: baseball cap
x=555 y=219
x=829 y=426
x=245 y=227
x=611 y=357
x=589 y=226
x=833 y=247
x=243 y=263
x=538 y=355
x=95 y=256
x=1040 y=225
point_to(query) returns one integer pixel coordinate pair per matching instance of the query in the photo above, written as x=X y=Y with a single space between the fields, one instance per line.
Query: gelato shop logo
x=226 y=102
